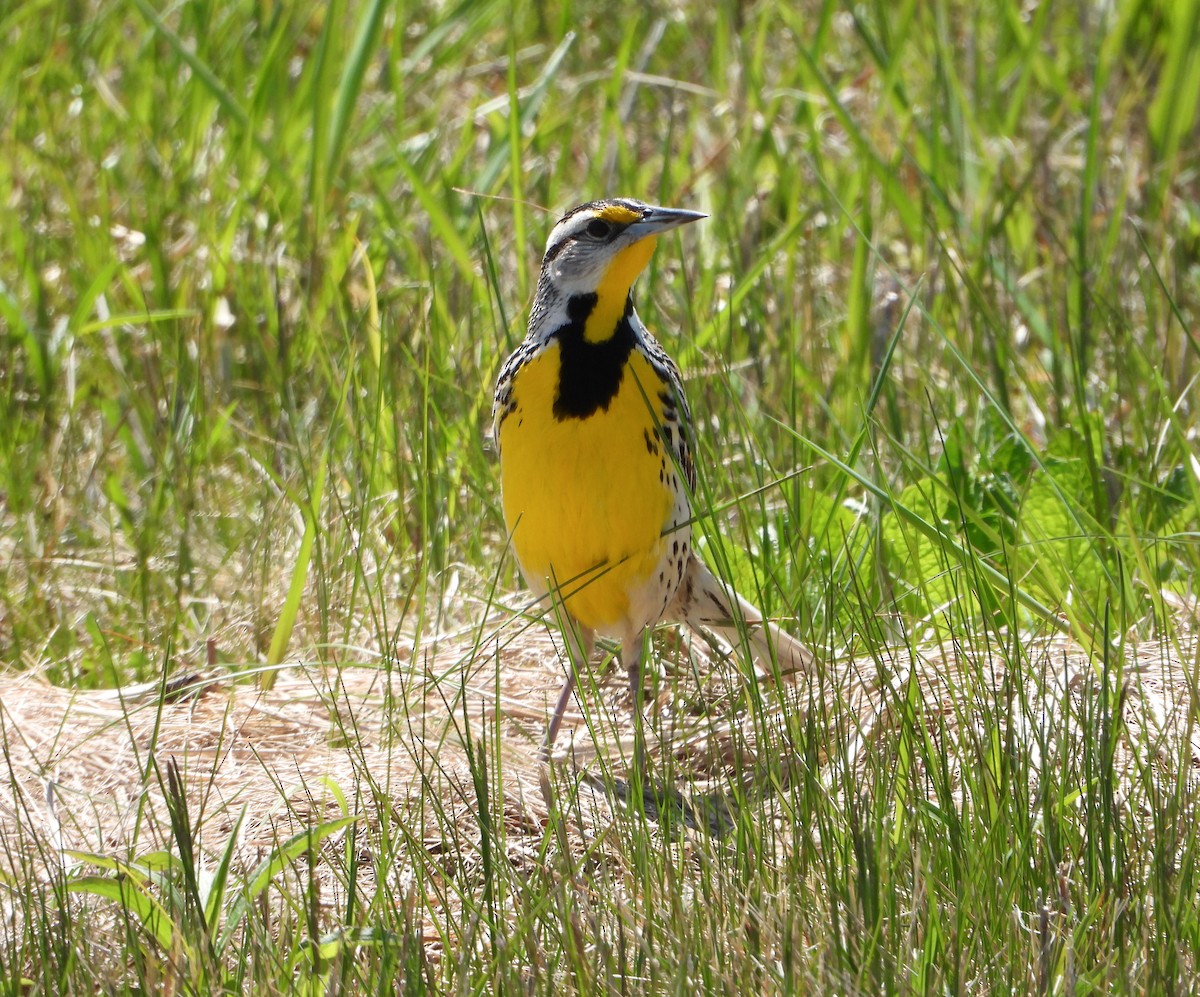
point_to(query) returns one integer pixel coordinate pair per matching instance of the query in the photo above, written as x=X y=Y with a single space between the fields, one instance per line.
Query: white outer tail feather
x=704 y=603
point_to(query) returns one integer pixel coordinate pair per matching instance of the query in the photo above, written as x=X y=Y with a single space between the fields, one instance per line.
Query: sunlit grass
x=259 y=265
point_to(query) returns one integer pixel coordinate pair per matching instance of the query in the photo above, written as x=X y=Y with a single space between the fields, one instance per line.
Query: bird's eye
x=598 y=228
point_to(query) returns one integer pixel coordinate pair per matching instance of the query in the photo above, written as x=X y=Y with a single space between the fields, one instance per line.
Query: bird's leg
x=560 y=708
x=579 y=651
x=632 y=652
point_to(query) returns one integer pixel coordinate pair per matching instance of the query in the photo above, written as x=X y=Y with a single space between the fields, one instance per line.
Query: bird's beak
x=656 y=221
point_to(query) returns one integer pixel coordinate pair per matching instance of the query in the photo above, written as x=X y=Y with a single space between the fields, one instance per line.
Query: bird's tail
x=704 y=602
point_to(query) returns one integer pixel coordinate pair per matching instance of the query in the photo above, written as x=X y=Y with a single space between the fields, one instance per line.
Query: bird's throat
x=590 y=373
x=613 y=290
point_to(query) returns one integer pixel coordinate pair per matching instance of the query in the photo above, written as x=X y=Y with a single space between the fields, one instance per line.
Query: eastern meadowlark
x=596 y=461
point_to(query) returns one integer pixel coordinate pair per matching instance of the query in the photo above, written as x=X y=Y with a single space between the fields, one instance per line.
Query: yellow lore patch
x=618 y=214
x=586 y=500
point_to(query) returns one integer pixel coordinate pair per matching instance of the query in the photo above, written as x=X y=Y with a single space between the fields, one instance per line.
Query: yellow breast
x=587 y=500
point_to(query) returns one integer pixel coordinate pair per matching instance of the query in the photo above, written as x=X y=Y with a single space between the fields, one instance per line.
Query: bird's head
x=601 y=247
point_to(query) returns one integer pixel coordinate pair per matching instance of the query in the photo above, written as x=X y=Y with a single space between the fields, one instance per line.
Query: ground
x=86 y=769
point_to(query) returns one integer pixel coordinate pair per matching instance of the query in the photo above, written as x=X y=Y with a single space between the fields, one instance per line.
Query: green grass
x=259 y=265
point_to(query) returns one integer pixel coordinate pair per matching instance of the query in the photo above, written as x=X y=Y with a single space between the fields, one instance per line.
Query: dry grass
x=84 y=768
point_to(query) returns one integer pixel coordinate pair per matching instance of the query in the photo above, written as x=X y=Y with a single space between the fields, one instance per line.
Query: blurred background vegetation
x=259 y=263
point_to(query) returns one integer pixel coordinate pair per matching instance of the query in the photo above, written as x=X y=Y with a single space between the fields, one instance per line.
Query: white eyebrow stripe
x=569 y=228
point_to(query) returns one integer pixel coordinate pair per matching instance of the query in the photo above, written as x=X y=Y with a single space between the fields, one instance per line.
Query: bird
x=597 y=459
